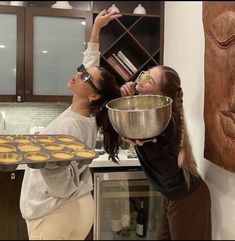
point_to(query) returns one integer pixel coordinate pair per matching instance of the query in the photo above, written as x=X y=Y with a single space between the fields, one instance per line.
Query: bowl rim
x=136 y=96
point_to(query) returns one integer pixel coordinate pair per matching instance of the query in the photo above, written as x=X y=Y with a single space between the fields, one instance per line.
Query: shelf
x=129 y=20
x=127 y=7
x=131 y=194
x=134 y=15
x=137 y=36
x=156 y=56
x=131 y=49
x=108 y=36
x=129 y=183
x=148 y=37
x=149 y=64
x=106 y=65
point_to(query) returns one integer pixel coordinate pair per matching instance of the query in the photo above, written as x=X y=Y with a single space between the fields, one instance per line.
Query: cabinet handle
x=13 y=176
x=19 y=98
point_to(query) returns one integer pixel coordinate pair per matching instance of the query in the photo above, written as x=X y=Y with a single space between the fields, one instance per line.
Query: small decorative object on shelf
x=17 y=3
x=113 y=8
x=139 y=10
x=62 y=4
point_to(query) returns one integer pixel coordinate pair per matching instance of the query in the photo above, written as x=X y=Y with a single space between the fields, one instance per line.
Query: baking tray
x=38 y=150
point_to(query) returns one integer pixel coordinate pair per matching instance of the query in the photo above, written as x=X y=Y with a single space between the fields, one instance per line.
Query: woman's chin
x=70 y=86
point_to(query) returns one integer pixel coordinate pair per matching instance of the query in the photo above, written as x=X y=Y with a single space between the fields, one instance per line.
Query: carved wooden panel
x=219 y=109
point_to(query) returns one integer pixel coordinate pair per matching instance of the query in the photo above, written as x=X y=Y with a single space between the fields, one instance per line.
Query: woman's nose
x=78 y=75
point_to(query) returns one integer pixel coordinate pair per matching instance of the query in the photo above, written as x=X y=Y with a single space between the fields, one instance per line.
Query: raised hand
x=128 y=89
x=101 y=20
x=104 y=17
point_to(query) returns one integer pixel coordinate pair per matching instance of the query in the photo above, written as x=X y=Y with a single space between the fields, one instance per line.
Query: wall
x=19 y=116
x=184 y=51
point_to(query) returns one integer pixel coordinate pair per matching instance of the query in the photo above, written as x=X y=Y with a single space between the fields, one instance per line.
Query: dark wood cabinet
x=12 y=225
x=41 y=68
x=139 y=37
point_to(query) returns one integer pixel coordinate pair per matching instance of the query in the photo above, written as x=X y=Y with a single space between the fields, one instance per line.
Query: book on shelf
x=123 y=69
x=118 y=69
x=123 y=64
x=127 y=61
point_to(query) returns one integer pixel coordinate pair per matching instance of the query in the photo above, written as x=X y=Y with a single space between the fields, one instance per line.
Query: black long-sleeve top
x=160 y=163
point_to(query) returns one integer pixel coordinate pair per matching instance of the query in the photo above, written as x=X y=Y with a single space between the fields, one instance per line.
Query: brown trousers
x=188 y=218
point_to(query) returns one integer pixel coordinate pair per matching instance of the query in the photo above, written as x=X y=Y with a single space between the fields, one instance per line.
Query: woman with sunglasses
x=169 y=164
x=56 y=202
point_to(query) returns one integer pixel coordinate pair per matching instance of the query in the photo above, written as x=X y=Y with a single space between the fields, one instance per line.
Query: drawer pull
x=13 y=176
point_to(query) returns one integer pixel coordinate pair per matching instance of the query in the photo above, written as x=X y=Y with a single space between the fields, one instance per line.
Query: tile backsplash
x=19 y=117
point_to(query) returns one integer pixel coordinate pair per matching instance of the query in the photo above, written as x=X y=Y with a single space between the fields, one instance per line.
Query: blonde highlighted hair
x=171 y=86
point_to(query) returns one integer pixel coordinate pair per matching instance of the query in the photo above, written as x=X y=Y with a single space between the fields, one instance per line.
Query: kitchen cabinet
x=50 y=43
x=45 y=47
x=12 y=225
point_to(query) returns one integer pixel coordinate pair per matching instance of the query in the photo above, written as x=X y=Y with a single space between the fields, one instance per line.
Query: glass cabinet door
x=127 y=207
x=11 y=53
x=57 y=46
x=8 y=54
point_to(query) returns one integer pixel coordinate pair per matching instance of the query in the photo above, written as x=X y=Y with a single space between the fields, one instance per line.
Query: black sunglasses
x=86 y=77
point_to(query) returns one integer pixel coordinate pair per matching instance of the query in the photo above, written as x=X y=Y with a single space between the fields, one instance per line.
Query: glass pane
x=8 y=34
x=128 y=210
x=59 y=44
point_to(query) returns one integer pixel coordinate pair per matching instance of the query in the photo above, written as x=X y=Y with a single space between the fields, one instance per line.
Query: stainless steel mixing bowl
x=140 y=116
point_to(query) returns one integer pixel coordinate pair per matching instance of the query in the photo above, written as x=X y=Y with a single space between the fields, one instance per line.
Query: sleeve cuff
x=93 y=46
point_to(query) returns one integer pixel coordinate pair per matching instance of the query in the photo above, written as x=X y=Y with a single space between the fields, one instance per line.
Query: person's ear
x=93 y=97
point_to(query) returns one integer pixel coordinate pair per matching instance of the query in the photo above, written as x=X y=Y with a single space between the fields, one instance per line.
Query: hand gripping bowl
x=140 y=116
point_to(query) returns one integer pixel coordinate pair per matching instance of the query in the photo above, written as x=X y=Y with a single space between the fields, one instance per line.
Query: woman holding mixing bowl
x=168 y=163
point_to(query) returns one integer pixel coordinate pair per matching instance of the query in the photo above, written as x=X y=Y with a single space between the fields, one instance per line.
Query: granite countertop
x=102 y=161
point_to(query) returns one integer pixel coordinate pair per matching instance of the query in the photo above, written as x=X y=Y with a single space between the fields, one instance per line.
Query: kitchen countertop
x=102 y=161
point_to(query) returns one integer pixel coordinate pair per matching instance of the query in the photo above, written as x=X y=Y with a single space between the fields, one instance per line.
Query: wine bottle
x=116 y=221
x=141 y=221
x=126 y=222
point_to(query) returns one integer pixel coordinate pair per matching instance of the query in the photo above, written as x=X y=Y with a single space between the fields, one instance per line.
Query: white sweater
x=44 y=190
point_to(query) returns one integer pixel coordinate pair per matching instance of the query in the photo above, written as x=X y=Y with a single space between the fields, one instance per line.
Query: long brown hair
x=109 y=90
x=171 y=87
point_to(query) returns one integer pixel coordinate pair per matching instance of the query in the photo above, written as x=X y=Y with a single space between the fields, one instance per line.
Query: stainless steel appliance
x=119 y=197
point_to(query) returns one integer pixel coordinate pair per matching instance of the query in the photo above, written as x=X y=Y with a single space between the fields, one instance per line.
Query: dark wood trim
x=20 y=54
x=8 y=98
x=28 y=55
x=162 y=11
